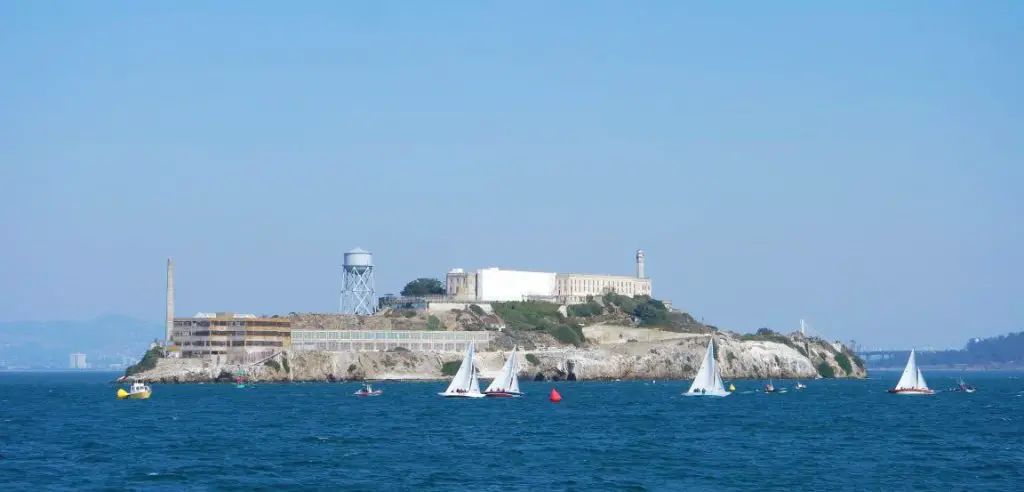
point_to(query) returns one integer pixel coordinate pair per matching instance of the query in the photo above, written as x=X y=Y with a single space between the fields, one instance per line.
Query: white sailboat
x=465 y=383
x=912 y=381
x=506 y=383
x=708 y=381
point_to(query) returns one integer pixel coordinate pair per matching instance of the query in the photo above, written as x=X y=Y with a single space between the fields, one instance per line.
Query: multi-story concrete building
x=493 y=284
x=77 y=361
x=228 y=338
x=574 y=288
x=369 y=340
x=460 y=284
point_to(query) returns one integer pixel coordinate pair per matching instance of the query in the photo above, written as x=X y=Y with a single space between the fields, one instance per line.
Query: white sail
x=507 y=380
x=513 y=385
x=912 y=379
x=708 y=381
x=921 y=383
x=465 y=381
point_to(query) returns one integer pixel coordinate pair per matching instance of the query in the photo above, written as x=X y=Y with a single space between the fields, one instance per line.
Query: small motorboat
x=367 y=390
x=962 y=386
x=769 y=388
x=800 y=386
x=137 y=391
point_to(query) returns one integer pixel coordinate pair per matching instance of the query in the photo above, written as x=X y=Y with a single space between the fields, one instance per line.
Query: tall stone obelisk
x=170 y=301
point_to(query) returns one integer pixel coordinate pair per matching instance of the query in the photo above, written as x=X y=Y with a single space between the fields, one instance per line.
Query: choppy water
x=68 y=432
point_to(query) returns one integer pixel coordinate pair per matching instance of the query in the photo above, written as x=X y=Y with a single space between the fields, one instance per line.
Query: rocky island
x=608 y=338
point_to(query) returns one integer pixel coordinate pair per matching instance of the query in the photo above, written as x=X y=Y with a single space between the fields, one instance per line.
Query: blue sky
x=856 y=165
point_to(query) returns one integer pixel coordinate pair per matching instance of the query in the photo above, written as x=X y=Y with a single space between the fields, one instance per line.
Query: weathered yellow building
x=229 y=338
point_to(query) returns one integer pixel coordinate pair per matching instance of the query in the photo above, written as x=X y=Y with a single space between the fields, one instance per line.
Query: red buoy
x=555 y=397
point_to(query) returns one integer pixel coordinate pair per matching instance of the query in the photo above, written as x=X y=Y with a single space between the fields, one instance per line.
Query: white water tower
x=357 y=291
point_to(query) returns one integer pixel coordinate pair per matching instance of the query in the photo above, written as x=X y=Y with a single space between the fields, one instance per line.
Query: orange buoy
x=555 y=397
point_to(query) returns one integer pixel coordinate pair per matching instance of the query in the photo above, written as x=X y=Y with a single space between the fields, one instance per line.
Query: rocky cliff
x=614 y=353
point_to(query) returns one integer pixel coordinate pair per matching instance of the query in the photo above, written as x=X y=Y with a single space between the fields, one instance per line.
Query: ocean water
x=66 y=431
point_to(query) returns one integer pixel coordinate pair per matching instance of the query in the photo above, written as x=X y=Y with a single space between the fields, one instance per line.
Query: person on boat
x=703 y=391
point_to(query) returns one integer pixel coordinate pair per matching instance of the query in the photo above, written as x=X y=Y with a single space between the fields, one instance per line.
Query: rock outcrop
x=617 y=353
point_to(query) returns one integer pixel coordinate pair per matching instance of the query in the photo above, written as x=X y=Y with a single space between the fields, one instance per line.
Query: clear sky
x=856 y=164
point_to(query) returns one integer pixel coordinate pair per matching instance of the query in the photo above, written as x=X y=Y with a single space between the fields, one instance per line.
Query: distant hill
x=1001 y=351
x=106 y=340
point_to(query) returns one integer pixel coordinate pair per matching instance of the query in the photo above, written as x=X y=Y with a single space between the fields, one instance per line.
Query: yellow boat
x=138 y=391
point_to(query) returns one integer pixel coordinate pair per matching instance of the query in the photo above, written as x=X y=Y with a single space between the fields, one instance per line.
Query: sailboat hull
x=719 y=395
x=911 y=392
x=462 y=395
x=502 y=394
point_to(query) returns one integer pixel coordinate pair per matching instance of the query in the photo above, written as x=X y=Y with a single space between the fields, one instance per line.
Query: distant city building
x=229 y=338
x=77 y=361
x=497 y=285
x=373 y=341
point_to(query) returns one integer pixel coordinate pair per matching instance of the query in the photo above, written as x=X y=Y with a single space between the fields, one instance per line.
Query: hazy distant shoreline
x=952 y=369
x=73 y=371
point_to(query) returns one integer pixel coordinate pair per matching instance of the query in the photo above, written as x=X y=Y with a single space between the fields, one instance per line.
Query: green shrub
x=451 y=367
x=271 y=363
x=147 y=363
x=625 y=304
x=409 y=313
x=652 y=313
x=477 y=310
x=588 y=310
x=423 y=286
x=844 y=363
x=826 y=370
x=434 y=323
x=529 y=315
x=532 y=359
x=568 y=334
x=352 y=368
x=766 y=335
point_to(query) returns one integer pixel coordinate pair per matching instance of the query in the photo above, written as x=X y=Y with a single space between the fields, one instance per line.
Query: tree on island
x=423 y=287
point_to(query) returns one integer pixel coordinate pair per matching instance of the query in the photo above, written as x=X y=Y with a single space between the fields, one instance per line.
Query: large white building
x=497 y=285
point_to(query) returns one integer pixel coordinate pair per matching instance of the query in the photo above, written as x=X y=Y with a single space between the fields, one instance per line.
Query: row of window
x=261 y=323
x=278 y=324
x=236 y=343
x=596 y=286
x=455 y=336
x=334 y=346
x=237 y=334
